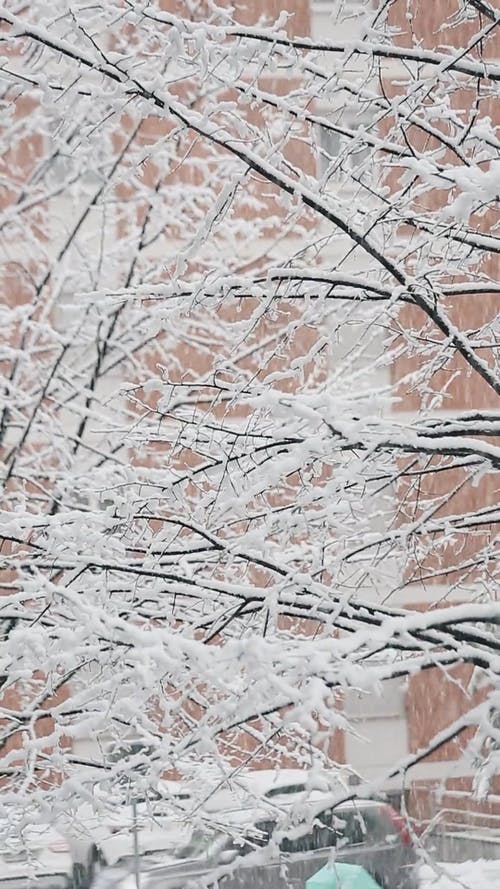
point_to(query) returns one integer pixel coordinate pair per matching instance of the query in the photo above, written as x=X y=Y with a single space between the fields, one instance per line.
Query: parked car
x=270 y=855
x=105 y=831
x=106 y=835
x=159 y=834
x=249 y=786
x=33 y=855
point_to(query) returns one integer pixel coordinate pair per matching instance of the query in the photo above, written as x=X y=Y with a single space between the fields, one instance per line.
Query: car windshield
x=285 y=790
x=200 y=845
x=210 y=845
x=340 y=827
x=125 y=751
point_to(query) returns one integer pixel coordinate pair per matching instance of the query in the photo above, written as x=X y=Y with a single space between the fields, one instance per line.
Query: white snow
x=479 y=874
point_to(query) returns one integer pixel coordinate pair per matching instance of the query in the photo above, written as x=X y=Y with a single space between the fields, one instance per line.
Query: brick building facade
x=407 y=715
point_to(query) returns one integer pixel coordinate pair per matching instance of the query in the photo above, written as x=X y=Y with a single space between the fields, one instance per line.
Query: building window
x=341 y=9
x=342 y=147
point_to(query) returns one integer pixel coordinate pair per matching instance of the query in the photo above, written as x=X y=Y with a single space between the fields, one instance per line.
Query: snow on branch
x=249 y=416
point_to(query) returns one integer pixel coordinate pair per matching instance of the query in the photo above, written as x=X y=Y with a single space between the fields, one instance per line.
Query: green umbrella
x=341 y=876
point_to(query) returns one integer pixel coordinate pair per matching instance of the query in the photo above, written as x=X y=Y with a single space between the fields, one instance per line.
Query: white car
x=250 y=787
x=33 y=855
x=156 y=833
x=107 y=835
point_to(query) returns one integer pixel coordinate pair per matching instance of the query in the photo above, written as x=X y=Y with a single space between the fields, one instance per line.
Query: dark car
x=270 y=856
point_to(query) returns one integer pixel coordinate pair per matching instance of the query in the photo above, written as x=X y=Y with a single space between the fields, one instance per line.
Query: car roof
x=264 y=811
x=264 y=779
x=256 y=783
